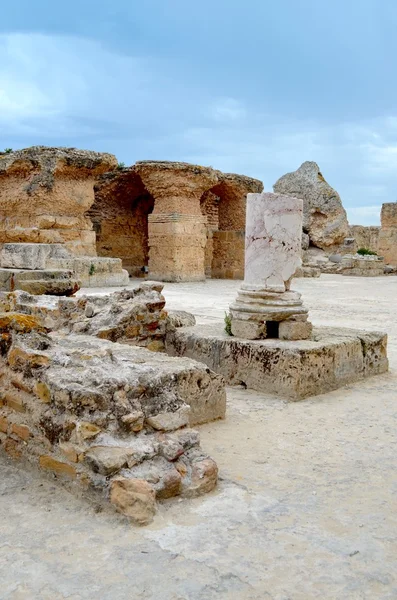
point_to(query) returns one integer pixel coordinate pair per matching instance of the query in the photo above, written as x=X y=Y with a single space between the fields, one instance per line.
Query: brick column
x=177 y=229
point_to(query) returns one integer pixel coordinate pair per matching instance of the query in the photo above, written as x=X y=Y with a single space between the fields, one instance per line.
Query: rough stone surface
x=293 y=369
x=45 y=193
x=91 y=271
x=387 y=244
x=181 y=318
x=324 y=218
x=364 y=237
x=52 y=282
x=134 y=498
x=88 y=410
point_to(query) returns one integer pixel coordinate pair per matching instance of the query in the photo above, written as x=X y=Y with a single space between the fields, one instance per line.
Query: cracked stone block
x=332 y=358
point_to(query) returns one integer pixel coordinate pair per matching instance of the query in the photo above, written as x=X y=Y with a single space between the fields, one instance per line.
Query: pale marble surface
x=272 y=240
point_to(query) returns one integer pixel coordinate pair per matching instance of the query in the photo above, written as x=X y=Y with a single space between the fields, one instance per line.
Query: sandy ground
x=306 y=506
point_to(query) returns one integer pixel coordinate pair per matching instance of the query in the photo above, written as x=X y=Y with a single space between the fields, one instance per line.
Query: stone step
x=54 y=282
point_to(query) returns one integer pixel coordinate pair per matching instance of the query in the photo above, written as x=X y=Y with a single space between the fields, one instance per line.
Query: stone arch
x=224 y=206
x=120 y=220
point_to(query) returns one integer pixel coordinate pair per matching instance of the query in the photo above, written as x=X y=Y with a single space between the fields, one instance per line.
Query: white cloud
x=73 y=91
x=227 y=109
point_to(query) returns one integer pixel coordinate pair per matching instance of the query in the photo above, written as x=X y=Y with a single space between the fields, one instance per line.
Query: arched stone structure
x=177 y=228
x=226 y=237
x=120 y=218
x=187 y=219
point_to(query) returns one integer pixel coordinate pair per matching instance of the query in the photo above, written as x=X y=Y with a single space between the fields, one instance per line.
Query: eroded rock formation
x=324 y=218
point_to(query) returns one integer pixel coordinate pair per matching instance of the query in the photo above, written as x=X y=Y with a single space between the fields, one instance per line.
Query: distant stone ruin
x=181 y=222
x=174 y=221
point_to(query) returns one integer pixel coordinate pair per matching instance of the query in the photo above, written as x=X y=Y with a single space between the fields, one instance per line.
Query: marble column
x=265 y=305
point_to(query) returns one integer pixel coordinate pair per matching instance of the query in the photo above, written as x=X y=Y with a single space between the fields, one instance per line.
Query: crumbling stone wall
x=224 y=206
x=155 y=215
x=45 y=193
x=365 y=237
x=106 y=417
x=388 y=233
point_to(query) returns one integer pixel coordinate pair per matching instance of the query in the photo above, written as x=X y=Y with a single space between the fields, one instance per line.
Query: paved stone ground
x=306 y=507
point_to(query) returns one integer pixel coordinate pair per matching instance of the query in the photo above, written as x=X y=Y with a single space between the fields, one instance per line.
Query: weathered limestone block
x=94 y=271
x=331 y=359
x=47 y=282
x=45 y=193
x=30 y=256
x=272 y=255
x=105 y=416
x=90 y=271
x=324 y=217
x=362 y=266
x=387 y=245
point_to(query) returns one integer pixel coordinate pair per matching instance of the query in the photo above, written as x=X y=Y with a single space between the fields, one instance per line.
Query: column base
x=259 y=314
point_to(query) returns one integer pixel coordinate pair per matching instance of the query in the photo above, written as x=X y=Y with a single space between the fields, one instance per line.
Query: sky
x=248 y=86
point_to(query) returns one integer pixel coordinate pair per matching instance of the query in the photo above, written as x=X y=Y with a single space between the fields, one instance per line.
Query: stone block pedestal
x=331 y=359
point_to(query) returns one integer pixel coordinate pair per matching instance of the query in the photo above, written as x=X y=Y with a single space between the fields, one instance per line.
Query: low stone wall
x=362 y=266
x=44 y=268
x=109 y=418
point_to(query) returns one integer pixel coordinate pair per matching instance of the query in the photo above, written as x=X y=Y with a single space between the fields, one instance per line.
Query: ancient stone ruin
x=82 y=400
x=173 y=221
x=272 y=347
x=182 y=222
x=102 y=391
x=324 y=218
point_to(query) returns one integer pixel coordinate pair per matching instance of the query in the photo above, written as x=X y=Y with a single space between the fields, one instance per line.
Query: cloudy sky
x=248 y=86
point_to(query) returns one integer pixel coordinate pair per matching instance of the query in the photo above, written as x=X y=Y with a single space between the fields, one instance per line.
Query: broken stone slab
x=30 y=256
x=94 y=271
x=36 y=282
x=292 y=369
